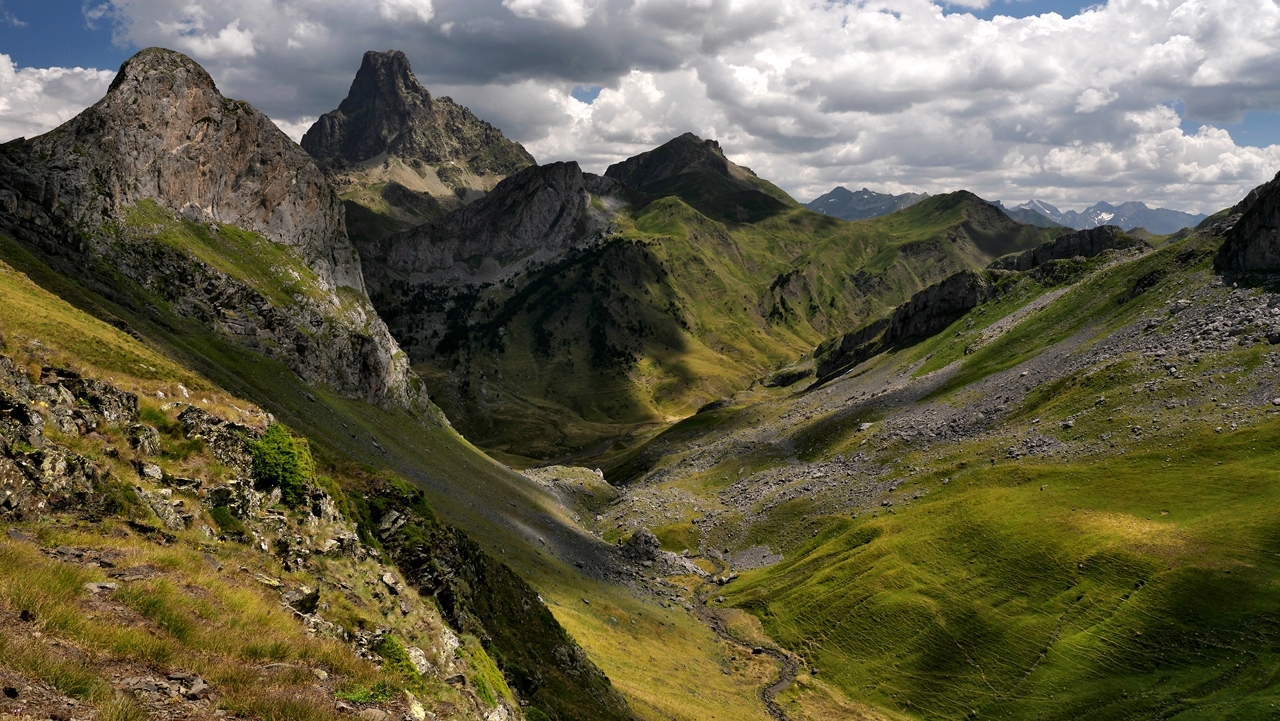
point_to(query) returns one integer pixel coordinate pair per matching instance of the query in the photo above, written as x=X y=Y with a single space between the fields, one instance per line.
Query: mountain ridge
x=840 y=202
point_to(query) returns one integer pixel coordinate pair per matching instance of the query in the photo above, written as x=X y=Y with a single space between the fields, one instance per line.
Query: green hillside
x=1058 y=507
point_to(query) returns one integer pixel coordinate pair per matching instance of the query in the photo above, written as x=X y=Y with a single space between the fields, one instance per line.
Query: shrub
x=282 y=461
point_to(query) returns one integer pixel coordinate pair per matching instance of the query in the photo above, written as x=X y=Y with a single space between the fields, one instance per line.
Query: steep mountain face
x=427 y=281
x=1253 y=232
x=928 y=312
x=399 y=156
x=845 y=204
x=203 y=202
x=697 y=172
x=1127 y=215
x=1081 y=244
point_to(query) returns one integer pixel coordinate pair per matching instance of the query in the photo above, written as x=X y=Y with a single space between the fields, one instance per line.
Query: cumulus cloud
x=34 y=100
x=893 y=94
x=573 y=13
x=412 y=10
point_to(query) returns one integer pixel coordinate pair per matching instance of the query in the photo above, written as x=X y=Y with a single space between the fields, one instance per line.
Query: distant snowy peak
x=1129 y=215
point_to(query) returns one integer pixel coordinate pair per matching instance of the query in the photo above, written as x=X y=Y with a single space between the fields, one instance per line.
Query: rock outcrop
x=697 y=171
x=1252 y=232
x=928 y=312
x=387 y=111
x=531 y=218
x=205 y=203
x=1080 y=244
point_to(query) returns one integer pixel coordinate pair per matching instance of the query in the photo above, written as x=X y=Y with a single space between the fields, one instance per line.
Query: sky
x=1175 y=103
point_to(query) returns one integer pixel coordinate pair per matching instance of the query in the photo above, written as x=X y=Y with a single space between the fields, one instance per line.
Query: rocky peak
x=157 y=71
x=164 y=133
x=385 y=79
x=685 y=154
x=697 y=171
x=387 y=111
x=157 y=182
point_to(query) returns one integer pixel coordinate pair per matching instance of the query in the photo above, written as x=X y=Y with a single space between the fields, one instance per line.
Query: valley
x=398 y=423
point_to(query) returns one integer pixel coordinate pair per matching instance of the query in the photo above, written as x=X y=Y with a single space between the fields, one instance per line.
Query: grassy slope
x=680 y=310
x=219 y=625
x=502 y=512
x=1132 y=585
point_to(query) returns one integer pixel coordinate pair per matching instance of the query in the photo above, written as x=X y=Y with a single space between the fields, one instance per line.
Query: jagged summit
x=698 y=172
x=387 y=111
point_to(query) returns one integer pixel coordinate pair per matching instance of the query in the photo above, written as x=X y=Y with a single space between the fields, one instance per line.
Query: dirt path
x=788 y=665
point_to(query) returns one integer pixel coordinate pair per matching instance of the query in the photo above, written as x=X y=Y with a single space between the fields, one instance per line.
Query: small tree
x=284 y=462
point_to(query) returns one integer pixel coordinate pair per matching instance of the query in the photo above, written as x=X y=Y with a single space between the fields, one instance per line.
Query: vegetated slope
x=845 y=204
x=152 y=564
x=1054 y=507
x=399 y=157
x=244 y=311
x=566 y=309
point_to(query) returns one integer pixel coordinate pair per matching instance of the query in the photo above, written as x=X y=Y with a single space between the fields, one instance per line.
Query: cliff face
x=1082 y=244
x=1253 y=242
x=202 y=201
x=928 y=312
x=425 y=280
x=164 y=133
x=399 y=157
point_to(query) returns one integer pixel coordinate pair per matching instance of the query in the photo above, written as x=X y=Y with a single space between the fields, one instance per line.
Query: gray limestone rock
x=388 y=112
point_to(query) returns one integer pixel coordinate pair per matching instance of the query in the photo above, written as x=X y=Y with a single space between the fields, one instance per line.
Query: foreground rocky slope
x=399 y=156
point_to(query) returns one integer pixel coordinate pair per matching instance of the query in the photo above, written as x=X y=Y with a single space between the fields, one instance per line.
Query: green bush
x=282 y=461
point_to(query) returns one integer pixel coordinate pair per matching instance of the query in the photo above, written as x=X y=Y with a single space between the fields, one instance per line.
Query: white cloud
x=573 y=13
x=411 y=10
x=230 y=43
x=34 y=100
x=295 y=128
x=893 y=94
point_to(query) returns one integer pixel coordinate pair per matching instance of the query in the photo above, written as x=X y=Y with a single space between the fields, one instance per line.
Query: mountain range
x=845 y=204
x=1132 y=214
x=400 y=424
